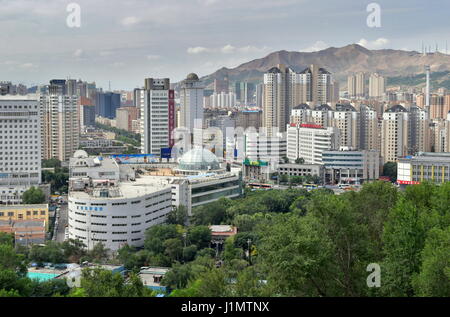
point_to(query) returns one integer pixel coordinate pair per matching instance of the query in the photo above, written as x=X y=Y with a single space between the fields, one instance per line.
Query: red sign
x=310 y=125
x=408 y=182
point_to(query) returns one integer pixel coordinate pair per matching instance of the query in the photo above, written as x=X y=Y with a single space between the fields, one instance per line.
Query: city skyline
x=134 y=40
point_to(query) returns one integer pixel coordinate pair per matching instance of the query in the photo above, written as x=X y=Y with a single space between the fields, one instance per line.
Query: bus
x=260 y=186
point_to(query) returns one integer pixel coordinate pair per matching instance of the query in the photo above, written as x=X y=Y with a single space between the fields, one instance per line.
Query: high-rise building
x=106 y=104
x=370 y=133
x=376 y=86
x=20 y=146
x=419 y=131
x=347 y=120
x=316 y=86
x=60 y=125
x=309 y=141
x=249 y=118
x=157 y=116
x=191 y=102
x=279 y=97
x=394 y=133
x=356 y=84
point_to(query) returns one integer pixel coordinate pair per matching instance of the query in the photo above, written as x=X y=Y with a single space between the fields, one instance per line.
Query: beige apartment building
x=60 y=130
x=394 y=134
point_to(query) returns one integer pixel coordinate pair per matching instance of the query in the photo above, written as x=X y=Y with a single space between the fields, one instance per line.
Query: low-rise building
x=352 y=167
x=301 y=170
x=26 y=232
x=25 y=212
x=425 y=166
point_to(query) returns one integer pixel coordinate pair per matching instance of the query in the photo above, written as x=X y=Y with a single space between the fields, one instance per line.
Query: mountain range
x=343 y=61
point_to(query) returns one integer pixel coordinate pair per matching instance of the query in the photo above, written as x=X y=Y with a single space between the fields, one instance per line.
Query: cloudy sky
x=124 y=41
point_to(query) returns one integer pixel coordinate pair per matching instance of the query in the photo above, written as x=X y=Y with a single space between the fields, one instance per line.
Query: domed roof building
x=198 y=160
x=192 y=76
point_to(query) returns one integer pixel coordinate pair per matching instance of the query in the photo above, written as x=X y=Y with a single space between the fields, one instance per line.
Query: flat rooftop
x=143 y=185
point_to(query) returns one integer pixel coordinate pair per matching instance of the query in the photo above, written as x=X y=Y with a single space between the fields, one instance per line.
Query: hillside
x=341 y=62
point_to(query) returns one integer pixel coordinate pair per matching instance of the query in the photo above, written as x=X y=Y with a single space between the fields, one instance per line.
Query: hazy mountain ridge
x=341 y=62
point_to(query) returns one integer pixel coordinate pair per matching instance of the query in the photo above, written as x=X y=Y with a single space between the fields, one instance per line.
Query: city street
x=62 y=222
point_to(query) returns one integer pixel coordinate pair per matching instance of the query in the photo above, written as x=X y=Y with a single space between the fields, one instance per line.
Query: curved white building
x=110 y=205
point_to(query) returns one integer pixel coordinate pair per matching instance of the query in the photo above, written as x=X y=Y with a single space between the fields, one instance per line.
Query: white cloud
x=227 y=49
x=318 y=46
x=197 y=50
x=128 y=21
x=376 y=44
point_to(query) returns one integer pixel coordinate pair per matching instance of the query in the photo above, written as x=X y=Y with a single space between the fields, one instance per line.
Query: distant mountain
x=340 y=62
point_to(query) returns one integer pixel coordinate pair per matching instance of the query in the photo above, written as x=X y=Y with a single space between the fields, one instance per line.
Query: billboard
x=166 y=152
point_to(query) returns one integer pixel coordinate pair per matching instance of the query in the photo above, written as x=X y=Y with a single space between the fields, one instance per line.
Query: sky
x=125 y=41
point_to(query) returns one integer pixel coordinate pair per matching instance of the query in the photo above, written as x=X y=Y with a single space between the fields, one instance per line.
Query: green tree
x=33 y=196
x=6 y=238
x=173 y=249
x=104 y=283
x=300 y=160
x=403 y=238
x=178 y=216
x=99 y=253
x=434 y=276
x=156 y=235
x=390 y=170
x=200 y=236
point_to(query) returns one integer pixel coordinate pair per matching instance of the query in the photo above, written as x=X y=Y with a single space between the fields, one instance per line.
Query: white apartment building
x=191 y=102
x=394 y=134
x=370 y=132
x=308 y=141
x=20 y=146
x=157 y=116
x=347 y=120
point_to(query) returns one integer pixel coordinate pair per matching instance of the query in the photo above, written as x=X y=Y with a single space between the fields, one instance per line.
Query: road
x=62 y=222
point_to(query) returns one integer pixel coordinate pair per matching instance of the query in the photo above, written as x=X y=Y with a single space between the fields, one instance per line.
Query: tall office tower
x=259 y=95
x=279 y=97
x=346 y=119
x=316 y=86
x=157 y=116
x=300 y=114
x=394 y=133
x=370 y=133
x=20 y=146
x=419 y=131
x=221 y=85
x=60 y=124
x=106 y=104
x=191 y=102
x=356 y=85
x=308 y=141
x=376 y=86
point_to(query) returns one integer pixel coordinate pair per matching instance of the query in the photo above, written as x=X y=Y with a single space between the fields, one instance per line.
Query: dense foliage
x=290 y=243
